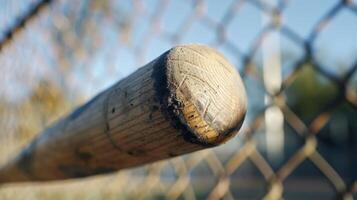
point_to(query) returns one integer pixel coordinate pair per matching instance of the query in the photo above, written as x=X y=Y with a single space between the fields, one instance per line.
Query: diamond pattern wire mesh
x=54 y=56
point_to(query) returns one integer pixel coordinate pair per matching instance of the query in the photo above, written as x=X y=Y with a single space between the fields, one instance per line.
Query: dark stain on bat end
x=137 y=152
x=85 y=156
x=169 y=106
x=172 y=154
x=80 y=171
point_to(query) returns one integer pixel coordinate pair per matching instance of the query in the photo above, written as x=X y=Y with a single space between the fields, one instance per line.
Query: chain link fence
x=297 y=59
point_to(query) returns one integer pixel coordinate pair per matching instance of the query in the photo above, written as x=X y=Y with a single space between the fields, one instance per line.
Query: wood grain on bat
x=188 y=99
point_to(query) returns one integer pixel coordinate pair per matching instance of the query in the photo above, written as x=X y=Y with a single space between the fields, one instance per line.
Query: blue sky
x=337 y=41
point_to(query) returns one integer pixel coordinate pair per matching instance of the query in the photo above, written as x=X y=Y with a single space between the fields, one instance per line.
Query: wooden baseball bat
x=189 y=98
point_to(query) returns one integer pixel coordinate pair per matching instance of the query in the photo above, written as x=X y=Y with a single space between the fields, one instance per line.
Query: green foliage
x=310 y=93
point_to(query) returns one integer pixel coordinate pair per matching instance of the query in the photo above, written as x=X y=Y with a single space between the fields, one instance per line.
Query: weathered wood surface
x=188 y=99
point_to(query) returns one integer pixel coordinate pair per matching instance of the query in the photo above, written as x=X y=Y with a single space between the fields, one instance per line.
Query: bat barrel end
x=206 y=92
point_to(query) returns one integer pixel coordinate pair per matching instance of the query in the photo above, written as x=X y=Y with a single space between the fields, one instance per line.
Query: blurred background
x=297 y=58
